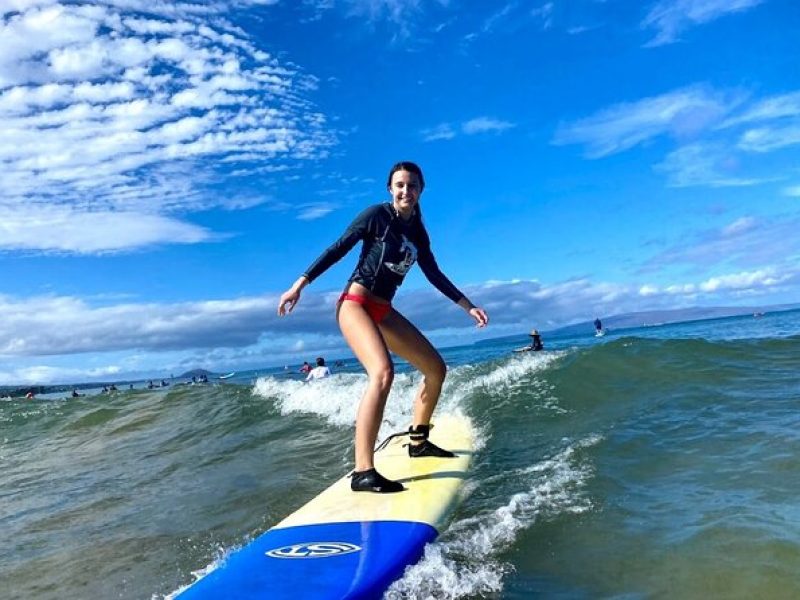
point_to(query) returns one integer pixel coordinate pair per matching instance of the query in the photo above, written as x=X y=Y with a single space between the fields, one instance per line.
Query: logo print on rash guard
x=409 y=252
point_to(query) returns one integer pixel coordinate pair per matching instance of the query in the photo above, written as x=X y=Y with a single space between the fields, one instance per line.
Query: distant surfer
x=319 y=371
x=394 y=238
x=535 y=345
x=598 y=327
x=536 y=341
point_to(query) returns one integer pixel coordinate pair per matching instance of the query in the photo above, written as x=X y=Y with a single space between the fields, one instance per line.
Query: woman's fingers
x=287 y=302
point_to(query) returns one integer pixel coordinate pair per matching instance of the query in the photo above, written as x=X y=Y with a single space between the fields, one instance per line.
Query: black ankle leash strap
x=418 y=434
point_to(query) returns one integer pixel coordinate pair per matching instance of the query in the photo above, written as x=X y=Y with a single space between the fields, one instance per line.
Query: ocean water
x=661 y=462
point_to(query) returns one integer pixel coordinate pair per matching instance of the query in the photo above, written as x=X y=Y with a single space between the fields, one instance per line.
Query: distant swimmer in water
x=536 y=341
x=319 y=371
x=598 y=326
x=535 y=345
x=393 y=238
x=306 y=368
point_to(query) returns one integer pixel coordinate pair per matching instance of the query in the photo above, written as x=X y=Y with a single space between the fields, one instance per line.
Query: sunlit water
x=661 y=462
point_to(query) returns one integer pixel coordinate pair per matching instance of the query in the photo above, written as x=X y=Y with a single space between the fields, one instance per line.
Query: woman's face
x=405 y=190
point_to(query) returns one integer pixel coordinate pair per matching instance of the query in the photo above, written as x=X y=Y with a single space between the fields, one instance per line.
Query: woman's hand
x=480 y=316
x=291 y=297
x=287 y=302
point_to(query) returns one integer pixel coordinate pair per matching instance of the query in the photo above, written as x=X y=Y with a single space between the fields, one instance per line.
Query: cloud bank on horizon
x=158 y=140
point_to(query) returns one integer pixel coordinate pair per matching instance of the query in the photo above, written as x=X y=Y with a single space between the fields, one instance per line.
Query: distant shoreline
x=615 y=322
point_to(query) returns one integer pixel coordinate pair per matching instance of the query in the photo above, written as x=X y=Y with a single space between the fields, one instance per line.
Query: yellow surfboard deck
x=431 y=483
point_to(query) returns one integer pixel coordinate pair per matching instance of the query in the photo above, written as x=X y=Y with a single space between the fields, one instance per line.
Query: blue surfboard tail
x=356 y=560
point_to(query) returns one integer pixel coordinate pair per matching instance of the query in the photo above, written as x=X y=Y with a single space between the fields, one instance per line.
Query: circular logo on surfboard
x=313 y=550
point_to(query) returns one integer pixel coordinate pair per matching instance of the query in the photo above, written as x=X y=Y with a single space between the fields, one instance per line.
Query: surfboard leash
x=419 y=435
x=385 y=442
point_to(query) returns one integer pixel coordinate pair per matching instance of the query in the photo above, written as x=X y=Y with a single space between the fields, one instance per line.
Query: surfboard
x=227 y=376
x=351 y=545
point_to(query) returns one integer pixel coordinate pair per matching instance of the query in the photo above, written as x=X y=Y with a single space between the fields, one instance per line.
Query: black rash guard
x=391 y=246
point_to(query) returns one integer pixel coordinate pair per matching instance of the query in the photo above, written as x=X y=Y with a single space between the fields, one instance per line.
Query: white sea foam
x=517 y=377
x=336 y=398
x=512 y=374
x=221 y=554
x=465 y=561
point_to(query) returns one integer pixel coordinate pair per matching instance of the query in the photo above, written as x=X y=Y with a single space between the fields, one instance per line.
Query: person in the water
x=536 y=341
x=320 y=371
x=394 y=238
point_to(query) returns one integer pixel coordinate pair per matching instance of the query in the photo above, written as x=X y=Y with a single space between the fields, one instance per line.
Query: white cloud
x=498 y=17
x=311 y=212
x=510 y=16
x=393 y=10
x=43 y=326
x=103 y=107
x=700 y=164
x=723 y=288
x=716 y=145
x=63 y=229
x=682 y=113
x=476 y=126
x=779 y=123
x=648 y=290
x=765 y=278
x=772 y=108
x=545 y=13
x=747 y=242
x=443 y=131
x=767 y=139
x=485 y=125
x=793 y=191
x=685 y=289
x=740 y=226
x=42 y=337
x=401 y=16
x=671 y=17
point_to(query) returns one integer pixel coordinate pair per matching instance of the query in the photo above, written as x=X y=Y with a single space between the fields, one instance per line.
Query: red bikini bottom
x=376 y=310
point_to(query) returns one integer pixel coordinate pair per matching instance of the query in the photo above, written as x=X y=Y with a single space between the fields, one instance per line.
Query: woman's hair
x=406 y=165
x=320 y=362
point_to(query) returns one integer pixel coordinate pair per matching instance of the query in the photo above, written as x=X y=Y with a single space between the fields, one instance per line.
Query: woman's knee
x=383 y=377
x=436 y=370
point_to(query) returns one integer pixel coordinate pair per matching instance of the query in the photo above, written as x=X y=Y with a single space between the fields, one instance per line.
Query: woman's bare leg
x=405 y=340
x=364 y=338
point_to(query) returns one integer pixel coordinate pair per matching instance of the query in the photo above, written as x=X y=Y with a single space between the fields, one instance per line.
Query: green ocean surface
x=661 y=462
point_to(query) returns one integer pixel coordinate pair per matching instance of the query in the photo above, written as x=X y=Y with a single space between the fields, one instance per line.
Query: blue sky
x=170 y=168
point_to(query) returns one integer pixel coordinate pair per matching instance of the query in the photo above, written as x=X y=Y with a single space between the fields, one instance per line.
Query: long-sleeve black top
x=390 y=248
